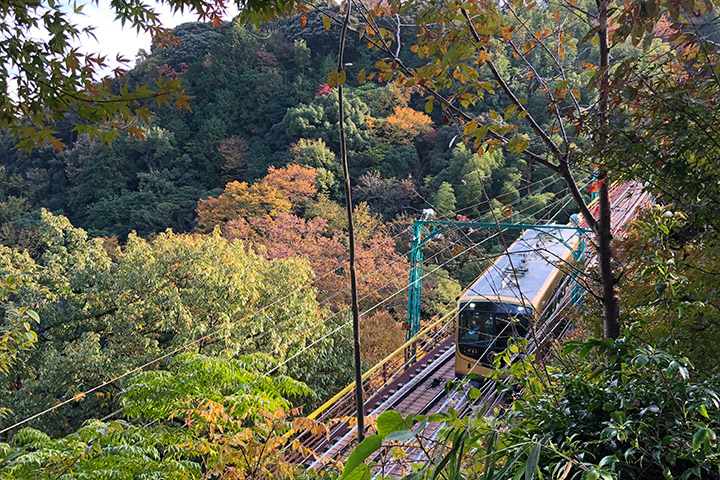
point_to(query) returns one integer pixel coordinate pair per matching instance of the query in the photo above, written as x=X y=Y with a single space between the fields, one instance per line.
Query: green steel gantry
x=426 y=230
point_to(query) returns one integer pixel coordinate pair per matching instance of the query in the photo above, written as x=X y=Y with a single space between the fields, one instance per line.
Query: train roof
x=534 y=255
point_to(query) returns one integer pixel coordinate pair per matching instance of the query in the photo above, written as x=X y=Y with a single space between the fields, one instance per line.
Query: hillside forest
x=176 y=297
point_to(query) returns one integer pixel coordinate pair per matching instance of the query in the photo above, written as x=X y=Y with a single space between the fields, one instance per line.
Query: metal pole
x=359 y=401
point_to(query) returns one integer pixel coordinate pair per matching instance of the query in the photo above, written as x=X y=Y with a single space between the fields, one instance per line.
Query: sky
x=112 y=38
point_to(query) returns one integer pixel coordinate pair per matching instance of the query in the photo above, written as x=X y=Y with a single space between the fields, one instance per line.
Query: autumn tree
x=45 y=77
x=380 y=335
x=380 y=269
x=278 y=192
x=295 y=182
x=404 y=125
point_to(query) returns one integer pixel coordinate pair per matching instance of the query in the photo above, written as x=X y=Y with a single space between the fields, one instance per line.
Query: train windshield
x=483 y=322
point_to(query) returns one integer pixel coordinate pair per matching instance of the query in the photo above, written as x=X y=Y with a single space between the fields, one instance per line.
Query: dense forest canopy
x=195 y=266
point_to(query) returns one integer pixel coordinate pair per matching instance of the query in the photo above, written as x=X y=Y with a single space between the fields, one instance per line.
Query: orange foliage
x=280 y=190
x=381 y=271
x=295 y=182
x=404 y=125
x=380 y=334
x=240 y=200
x=253 y=445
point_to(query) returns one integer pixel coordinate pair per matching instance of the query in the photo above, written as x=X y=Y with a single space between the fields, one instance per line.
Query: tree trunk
x=603 y=235
x=603 y=230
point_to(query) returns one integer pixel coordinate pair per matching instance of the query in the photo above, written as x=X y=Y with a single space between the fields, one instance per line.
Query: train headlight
x=472 y=305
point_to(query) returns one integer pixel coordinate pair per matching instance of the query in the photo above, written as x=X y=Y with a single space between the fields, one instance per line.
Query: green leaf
x=703 y=411
x=33 y=314
x=400 y=436
x=518 y=143
x=474 y=393
x=531 y=466
x=429 y=106
x=440 y=417
x=366 y=448
x=363 y=472
x=326 y=22
x=592 y=475
x=618 y=416
x=390 y=421
x=698 y=439
x=640 y=361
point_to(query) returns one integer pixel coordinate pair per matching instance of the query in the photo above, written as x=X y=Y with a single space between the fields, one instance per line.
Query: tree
x=295 y=182
x=316 y=154
x=320 y=120
x=233 y=149
x=302 y=53
x=280 y=191
x=380 y=268
x=383 y=101
x=444 y=199
x=404 y=125
x=199 y=427
x=16 y=333
x=101 y=318
x=380 y=335
x=144 y=185
x=44 y=77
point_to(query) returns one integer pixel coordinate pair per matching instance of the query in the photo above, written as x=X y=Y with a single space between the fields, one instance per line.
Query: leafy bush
x=646 y=419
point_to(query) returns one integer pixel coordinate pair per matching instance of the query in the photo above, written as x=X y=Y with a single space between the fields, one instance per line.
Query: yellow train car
x=507 y=298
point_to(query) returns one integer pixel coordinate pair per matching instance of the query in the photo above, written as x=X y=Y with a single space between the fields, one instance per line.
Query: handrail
x=379 y=365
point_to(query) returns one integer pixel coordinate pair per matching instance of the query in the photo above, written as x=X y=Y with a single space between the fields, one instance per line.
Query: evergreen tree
x=444 y=199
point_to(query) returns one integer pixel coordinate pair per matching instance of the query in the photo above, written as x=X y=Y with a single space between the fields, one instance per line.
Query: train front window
x=476 y=326
x=483 y=322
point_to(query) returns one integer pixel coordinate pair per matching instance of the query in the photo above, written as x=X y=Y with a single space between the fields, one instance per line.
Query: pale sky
x=113 y=39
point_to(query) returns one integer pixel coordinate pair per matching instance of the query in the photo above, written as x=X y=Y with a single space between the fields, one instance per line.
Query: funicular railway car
x=507 y=298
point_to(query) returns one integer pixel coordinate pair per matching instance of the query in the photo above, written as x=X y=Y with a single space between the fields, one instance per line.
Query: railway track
x=417 y=389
